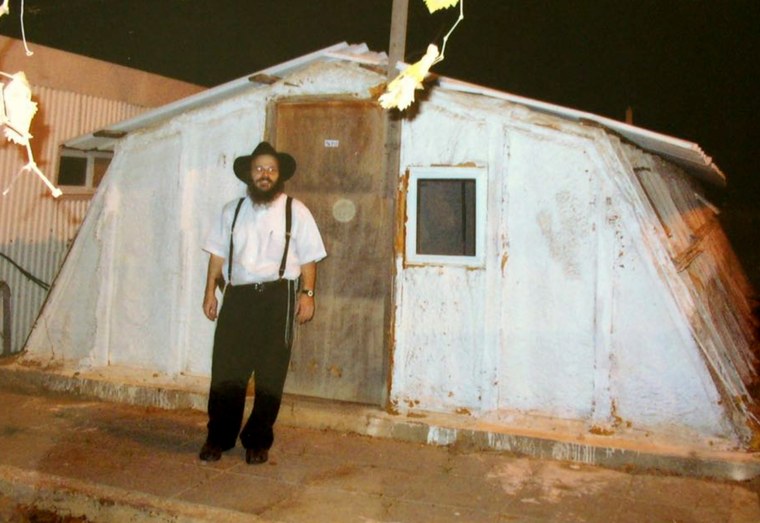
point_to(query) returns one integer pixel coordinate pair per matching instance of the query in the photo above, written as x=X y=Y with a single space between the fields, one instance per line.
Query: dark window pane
x=72 y=171
x=100 y=166
x=446 y=217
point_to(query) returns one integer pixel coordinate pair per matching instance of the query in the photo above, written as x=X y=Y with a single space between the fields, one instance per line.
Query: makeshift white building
x=524 y=258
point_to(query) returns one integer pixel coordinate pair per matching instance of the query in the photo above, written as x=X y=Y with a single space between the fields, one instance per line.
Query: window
x=446 y=216
x=82 y=169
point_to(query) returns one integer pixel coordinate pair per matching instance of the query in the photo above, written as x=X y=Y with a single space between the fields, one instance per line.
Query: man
x=263 y=265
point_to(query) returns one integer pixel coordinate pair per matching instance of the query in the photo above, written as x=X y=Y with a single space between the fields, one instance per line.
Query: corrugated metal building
x=75 y=95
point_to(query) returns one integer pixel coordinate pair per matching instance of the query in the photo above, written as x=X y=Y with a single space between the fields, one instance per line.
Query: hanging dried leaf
x=19 y=109
x=16 y=112
x=435 y=5
x=400 y=92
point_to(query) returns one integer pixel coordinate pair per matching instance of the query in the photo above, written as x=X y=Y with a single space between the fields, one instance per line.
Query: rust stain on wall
x=400 y=236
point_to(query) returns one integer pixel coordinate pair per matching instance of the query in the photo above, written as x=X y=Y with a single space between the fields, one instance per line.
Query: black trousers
x=254 y=334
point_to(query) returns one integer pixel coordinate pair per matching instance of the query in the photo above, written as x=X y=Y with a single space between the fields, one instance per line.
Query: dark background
x=687 y=68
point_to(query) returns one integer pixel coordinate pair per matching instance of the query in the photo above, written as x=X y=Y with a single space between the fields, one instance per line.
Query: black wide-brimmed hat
x=285 y=162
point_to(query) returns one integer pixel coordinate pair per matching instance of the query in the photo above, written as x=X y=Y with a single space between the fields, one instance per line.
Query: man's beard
x=265 y=196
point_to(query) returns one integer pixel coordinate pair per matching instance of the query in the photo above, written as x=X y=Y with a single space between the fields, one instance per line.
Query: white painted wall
x=570 y=317
x=547 y=356
x=444 y=349
x=657 y=373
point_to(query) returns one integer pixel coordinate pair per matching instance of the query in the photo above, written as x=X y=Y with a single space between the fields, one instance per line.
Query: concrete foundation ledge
x=440 y=429
x=112 y=384
x=75 y=498
x=537 y=437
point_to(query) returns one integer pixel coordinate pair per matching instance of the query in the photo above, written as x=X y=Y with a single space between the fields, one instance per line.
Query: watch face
x=308 y=292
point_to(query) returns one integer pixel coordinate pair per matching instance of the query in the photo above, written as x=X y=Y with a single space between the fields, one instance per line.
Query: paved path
x=114 y=462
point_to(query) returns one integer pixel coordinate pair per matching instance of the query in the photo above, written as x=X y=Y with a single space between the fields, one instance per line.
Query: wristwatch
x=308 y=292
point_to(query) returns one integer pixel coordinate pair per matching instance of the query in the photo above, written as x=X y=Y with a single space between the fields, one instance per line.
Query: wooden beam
x=396 y=52
x=397 y=45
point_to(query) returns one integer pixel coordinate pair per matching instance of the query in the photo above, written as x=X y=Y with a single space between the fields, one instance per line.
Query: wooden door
x=338 y=146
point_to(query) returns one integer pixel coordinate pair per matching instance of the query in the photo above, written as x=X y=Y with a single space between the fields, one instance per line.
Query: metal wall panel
x=720 y=310
x=36 y=229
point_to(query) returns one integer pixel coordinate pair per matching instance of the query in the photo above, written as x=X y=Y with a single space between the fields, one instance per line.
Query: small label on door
x=332 y=143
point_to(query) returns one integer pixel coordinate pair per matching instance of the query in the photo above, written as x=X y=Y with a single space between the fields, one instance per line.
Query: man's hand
x=210 y=305
x=305 y=308
x=213 y=275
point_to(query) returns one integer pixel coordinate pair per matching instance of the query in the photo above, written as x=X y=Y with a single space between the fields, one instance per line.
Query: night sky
x=688 y=68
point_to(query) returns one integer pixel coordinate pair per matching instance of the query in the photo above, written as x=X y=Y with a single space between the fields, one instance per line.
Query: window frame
x=88 y=189
x=479 y=176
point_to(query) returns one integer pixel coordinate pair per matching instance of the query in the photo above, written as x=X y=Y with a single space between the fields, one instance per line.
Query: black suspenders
x=232 y=229
x=288 y=226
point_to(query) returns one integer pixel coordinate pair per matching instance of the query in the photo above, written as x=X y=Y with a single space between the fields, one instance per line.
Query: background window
x=99 y=168
x=72 y=171
x=446 y=216
x=83 y=169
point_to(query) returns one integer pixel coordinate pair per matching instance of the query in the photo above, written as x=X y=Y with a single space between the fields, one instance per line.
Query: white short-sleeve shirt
x=259 y=241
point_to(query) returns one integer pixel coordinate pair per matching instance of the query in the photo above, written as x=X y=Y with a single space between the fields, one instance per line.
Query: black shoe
x=255 y=457
x=210 y=452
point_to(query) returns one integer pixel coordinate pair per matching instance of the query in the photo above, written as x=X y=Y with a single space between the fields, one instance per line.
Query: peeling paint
x=441 y=436
x=559 y=238
x=400 y=237
x=561 y=230
x=504 y=260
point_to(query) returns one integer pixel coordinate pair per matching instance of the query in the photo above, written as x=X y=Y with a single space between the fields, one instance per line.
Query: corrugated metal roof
x=687 y=154
x=105 y=138
x=684 y=153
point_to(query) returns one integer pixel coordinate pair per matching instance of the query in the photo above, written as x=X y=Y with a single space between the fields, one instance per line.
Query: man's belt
x=258 y=287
